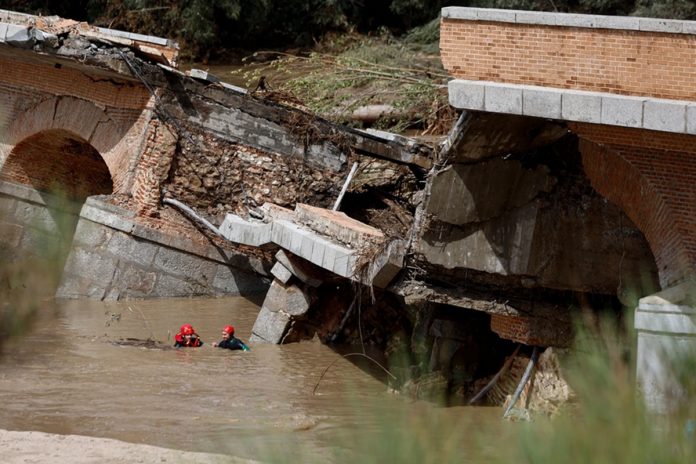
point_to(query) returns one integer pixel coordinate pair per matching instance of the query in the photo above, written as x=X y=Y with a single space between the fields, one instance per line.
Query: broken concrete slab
x=337 y=225
x=301 y=268
x=289 y=299
x=281 y=273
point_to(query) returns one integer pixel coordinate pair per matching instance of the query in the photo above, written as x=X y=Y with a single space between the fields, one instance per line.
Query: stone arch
x=636 y=180
x=116 y=138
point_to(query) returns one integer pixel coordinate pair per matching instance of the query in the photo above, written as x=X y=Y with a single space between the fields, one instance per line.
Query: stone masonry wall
x=217 y=176
x=627 y=62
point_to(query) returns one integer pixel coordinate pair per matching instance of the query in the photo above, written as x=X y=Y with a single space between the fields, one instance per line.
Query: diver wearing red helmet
x=187 y=337
x=229 y=341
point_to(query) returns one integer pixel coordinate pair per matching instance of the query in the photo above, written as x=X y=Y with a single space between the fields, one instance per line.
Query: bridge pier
x=666 y=332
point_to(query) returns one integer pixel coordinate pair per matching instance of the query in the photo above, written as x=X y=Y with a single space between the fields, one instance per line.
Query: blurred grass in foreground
x=607 y=424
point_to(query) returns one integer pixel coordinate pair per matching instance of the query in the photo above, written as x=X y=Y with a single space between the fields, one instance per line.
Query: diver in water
x=187 y=338
x=229 y=341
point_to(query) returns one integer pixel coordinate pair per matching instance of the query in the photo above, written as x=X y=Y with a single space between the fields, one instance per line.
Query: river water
x=76 y=373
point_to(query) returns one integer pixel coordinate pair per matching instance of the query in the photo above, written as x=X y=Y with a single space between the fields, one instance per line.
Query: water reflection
x=68 y=376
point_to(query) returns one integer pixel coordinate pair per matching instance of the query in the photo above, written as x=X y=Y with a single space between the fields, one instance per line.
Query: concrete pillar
x=666 y=329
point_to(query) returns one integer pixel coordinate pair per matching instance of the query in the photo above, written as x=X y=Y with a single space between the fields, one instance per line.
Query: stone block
x=616 y=22
x=691 y=119
x=574 y=20
x=73 y=287
x=134 y=282
x=536 y=17
x=494 y=14
x=661 y=25
x=91 y=235
x=19 y=36
x=183 y=264
x=203 y=75
x=622 y=111
x=581 y=106
x=540 y=102
x=237 y=230
x=303 y=269
x=503 y=98
x=106 y=218
x=3 y=31
x=468 y=95
x=289 y=299
x=91 y=265
x=387 y=264
x=269 y=327
x=318 y=252
x=459 y=13
x=171 y=286
x=281 y=273
x=127 y=248
x=231 y=281
x=689 y=27
x=664 y=115
x=35 y=216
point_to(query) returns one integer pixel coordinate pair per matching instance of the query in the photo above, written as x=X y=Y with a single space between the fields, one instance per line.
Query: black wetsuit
x=233 y=343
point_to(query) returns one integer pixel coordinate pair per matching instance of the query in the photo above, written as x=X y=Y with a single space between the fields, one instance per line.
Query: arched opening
x=60 y=163
x=52 y=173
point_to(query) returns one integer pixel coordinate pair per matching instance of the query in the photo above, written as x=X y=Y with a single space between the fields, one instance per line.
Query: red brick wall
x=539 y=332
x=56 y=159
x=651 y=176
x=110 y=114
x=618 y=61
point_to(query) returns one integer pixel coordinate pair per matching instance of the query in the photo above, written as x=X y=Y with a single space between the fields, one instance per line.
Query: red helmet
x=187 y=329
x=228 y=329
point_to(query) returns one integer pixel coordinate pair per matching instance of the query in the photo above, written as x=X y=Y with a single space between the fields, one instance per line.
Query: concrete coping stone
x=138 y=37
x=28 y=194
x=629 y=23
x=675 y=116
x=680 y=297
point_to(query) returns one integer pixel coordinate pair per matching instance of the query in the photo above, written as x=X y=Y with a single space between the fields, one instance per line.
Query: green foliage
x=676 y=9
x=609 y=424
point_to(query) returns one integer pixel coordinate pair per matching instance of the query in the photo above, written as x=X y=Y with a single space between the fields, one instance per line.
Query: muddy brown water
x=73 y=374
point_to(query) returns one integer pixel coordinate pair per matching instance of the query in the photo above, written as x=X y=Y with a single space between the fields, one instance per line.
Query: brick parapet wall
x=65 y=80
x=626 y=62
x=654 y=184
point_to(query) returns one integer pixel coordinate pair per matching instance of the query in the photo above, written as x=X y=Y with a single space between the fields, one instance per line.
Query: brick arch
x=638 y=181
x=87 y=121
x=58 y=161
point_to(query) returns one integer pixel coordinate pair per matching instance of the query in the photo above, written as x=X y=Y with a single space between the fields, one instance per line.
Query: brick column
x=153 y=167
